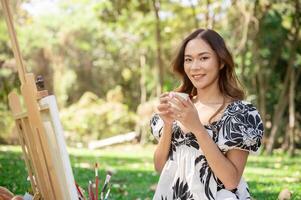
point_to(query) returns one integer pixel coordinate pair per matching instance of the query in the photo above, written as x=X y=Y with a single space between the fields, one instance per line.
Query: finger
x=175 y=113
x=176 y=116
x=175 y=108
x=164 y=99
x=175 y=103
x=164 y=113
x=164 y=94
x=163 y=107
x=181 y=101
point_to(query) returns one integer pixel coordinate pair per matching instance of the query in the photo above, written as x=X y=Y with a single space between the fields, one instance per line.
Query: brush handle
x=96 y=188
x=107 y=194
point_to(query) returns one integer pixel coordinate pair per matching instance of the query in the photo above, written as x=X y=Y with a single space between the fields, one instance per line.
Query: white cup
x=182 y=95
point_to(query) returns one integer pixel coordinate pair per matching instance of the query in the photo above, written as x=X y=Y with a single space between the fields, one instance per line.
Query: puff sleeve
x=242 y=128
x=156 y=126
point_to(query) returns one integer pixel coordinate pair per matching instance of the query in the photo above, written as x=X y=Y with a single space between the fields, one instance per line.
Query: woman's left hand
x=185 y=112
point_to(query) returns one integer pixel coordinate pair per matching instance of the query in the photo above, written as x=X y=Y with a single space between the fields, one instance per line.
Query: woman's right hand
x=163 y=109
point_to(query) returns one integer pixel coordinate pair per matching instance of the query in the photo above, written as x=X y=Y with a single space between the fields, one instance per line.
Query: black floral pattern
x=214 y=131
x=181 y=191
x=205 y=175
x=176 y=139
x=243 y=128
x=180 y=138
x=240 y=127
x=155 y=129
x=191 y=141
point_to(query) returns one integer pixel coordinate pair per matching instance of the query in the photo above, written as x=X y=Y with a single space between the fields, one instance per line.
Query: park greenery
x=133 y=176
x=104 y=59
x=108 y=61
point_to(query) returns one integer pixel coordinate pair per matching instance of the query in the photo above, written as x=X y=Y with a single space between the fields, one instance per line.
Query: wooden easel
x=40 y=132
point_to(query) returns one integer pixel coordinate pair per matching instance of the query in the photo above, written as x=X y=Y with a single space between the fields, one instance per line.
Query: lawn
x=133 y=175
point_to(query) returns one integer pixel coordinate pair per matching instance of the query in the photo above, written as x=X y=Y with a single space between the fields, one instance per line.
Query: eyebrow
x=199 y=54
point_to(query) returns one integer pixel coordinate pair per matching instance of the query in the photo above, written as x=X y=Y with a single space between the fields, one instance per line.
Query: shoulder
x=241 y=107
x=244 y=112
x=243 y=127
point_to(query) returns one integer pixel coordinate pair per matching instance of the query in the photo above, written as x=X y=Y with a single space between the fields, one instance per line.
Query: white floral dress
x=186 y=174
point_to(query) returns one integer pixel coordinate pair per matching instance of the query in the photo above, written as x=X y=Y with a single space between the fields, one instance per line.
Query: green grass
x=268 y=175
x=133 y=173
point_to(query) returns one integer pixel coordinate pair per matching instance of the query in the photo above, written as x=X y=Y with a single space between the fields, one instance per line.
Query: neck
x=210 y=95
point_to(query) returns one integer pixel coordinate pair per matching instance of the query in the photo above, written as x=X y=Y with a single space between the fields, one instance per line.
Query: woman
x=204 y=141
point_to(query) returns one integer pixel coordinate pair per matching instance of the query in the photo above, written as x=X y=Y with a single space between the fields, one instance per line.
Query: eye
x=204 y=58
x=187 y=60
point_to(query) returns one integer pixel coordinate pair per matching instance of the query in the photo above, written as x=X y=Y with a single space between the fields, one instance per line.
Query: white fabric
x=187 y=175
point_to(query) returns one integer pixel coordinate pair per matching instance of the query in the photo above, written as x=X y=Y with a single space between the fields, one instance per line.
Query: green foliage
x=268 y=175
x=95 y=118
x=6 y=123
x=82 y=45
x=133 y=172
x=7 y=82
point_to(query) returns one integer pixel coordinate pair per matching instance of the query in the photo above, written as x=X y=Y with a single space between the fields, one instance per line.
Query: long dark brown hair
x=228 y=82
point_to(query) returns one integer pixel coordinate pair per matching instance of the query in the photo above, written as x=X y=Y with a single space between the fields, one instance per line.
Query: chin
x=200 y=85
x=204 y=83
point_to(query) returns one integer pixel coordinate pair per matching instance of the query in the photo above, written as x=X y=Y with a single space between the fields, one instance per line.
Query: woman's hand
x=163 y=109
x=185 y=112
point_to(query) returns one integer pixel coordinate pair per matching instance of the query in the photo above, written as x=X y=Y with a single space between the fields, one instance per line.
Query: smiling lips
x=198 y=76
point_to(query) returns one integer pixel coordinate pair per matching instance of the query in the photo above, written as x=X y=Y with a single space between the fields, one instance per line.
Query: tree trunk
x=286 y=138
x=260 y=86
x=245 y=27
x=278 y=112
x=289 y=138
x=289 y=75
x=156 y=5
x=140 y=129
x=196 y=22
x=43 y=68
x=207 y=14
x=57 y=77
x=292 y=113
x=142 y=79
x=262 y=92
x=259 y=82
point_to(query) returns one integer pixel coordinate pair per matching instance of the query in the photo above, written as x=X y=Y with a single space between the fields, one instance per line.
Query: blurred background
x=107 y=62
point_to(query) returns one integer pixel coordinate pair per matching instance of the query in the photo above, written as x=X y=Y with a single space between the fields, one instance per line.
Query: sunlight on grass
x=268 y=175
x=134 y=176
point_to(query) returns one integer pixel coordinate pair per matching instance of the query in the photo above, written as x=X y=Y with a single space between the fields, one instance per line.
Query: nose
x=195 y=64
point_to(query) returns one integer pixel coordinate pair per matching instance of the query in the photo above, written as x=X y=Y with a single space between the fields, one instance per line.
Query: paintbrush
x=96 y=181
x=107 y=194
x=89 y=190
x=79 y=192
x=105 y=185
x=91 y=194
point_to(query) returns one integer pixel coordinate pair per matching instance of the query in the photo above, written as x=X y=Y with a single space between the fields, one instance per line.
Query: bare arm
x=162 y=149
x=228 y=168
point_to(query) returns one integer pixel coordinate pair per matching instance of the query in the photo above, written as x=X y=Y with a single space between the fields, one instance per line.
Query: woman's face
x=201 y=64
